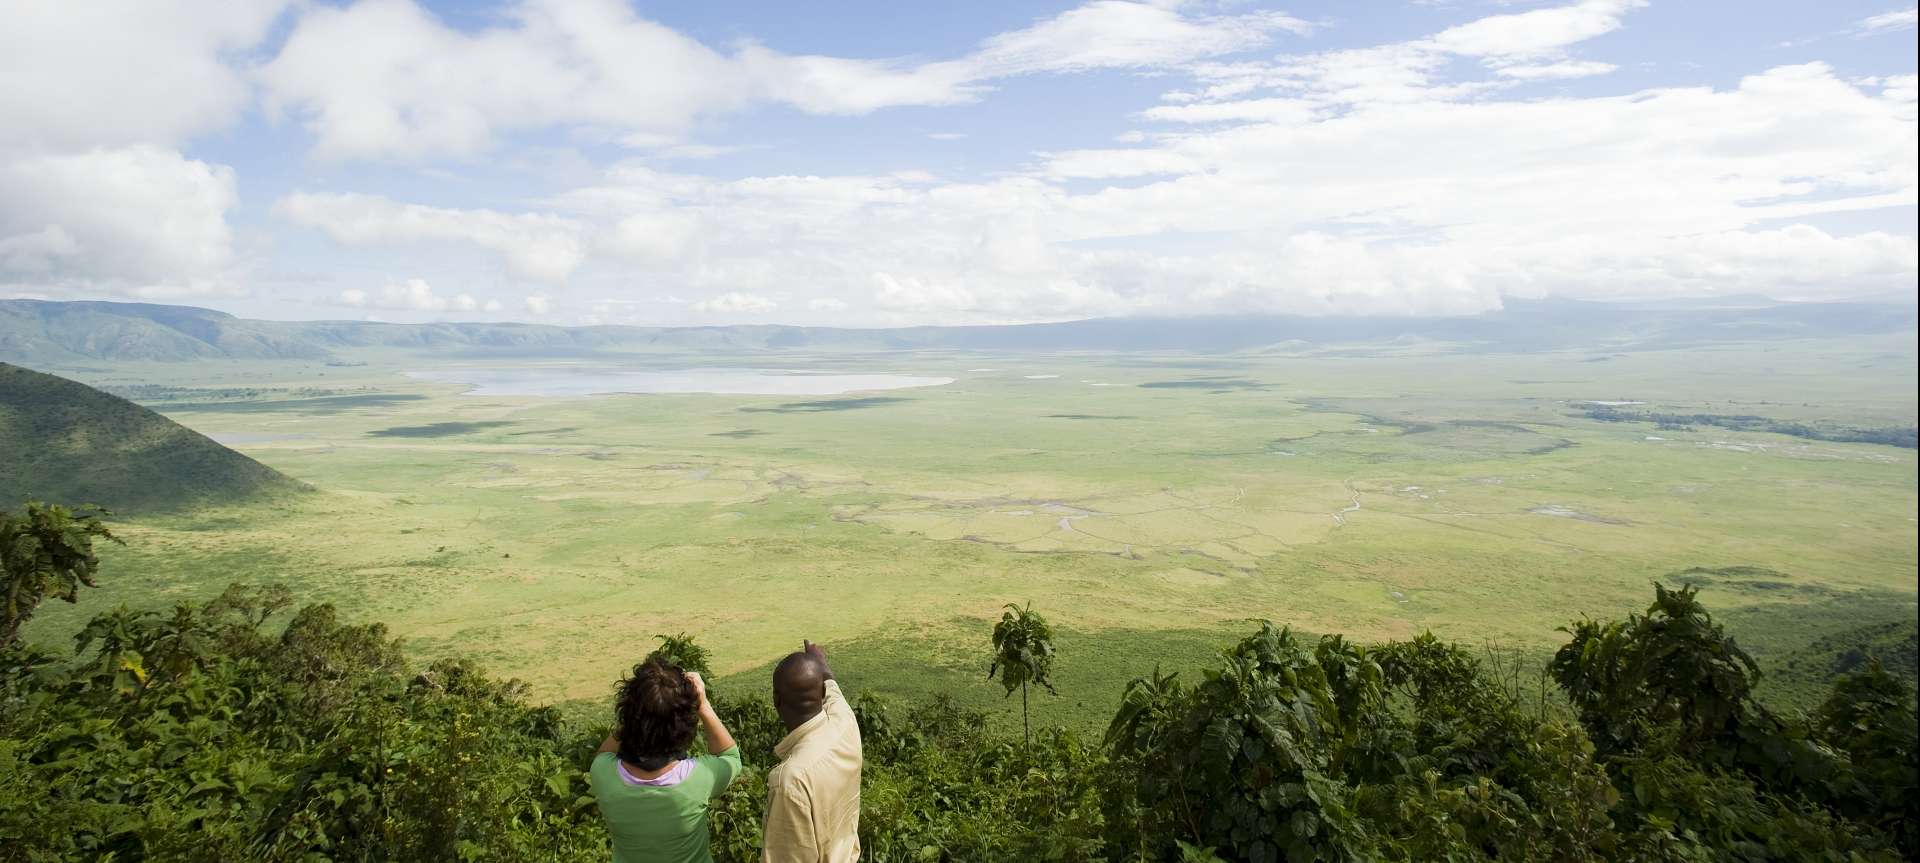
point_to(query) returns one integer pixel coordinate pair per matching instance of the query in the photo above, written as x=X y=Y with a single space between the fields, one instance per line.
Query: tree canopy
x=46 y=552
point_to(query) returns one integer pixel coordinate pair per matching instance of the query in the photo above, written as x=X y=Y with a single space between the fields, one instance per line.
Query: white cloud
x=139 y=220
x=736 y=303
x=1889 y=22
x=417 y=87
x=1266 y=110
x=534 y=246
x=914 y=295
x=1435 y=204
x=1401 y=72
x=653 y=234
x=1518 y=47
x=95 y=100
x=1103 y=34
x=698 y=151
x=1124 y=162
x=81 y=75
x=1540 y=32
x=412 y=295
x=1431 y=174
x=38 y=251
x=835 y=85
x=1109 y=34
x=1901 y=92
x=946 y=136
x=1562 y=69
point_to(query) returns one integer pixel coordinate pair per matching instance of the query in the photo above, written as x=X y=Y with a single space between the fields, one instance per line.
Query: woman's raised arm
x=718 y=738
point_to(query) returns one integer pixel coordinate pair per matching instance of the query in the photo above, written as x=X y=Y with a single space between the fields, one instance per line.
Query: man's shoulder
x=785 y=780
x=808 y=762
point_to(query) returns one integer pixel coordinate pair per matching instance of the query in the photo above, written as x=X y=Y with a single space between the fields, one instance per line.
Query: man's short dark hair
x=656 y=714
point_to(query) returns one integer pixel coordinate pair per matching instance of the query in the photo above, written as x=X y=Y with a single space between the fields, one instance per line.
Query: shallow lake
x=601 y=380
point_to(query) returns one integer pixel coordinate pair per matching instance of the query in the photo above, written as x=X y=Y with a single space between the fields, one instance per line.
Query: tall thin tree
x=1022 y=655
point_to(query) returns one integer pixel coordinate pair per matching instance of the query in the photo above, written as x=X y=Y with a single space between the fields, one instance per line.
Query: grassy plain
x=1149 y=505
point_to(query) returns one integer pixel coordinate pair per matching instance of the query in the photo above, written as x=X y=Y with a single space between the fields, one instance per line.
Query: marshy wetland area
x=537 y=514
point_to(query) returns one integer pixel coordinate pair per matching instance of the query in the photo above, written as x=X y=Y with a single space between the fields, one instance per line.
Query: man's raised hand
x=820 y=656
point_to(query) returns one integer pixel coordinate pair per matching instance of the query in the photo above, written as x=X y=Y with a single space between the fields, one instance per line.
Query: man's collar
x=787 y=743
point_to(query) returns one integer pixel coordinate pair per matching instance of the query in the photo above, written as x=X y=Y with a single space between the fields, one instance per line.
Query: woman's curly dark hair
x=655 y=713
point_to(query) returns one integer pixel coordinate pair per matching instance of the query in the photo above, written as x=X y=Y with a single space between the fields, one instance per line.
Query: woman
x=652 y=794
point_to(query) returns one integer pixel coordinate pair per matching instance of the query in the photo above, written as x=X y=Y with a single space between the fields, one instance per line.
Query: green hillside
x=62 y=440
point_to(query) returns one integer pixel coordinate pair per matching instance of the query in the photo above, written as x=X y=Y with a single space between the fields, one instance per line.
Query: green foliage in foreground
x=211 y=733
x=45 y=551
x=681 y=649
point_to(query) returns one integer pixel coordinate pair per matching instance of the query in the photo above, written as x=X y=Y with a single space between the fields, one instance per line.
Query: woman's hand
x=699 y=688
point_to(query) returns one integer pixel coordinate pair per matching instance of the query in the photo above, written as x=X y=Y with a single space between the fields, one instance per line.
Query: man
x=813 y=795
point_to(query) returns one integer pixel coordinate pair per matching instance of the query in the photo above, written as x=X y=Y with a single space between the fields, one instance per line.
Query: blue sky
x=595 y=161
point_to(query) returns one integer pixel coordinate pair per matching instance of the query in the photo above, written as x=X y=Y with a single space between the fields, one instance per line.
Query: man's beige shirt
x=813 y=794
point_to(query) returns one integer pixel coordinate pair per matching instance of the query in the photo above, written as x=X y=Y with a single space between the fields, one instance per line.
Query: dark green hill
x=65 y=441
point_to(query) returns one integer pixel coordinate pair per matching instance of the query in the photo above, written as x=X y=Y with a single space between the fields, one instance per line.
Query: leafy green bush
x=196 y=735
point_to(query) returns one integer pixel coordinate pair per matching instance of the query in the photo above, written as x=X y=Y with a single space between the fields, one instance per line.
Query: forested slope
x=64 y=440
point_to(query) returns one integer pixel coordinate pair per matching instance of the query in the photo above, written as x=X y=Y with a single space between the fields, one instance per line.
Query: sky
x=887 y=163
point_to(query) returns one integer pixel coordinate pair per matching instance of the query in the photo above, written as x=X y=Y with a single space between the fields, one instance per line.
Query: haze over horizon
x=599 y=162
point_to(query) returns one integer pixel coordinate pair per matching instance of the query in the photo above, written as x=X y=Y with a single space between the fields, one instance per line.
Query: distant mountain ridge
x=64 y=441
x=44 y=332
x=40 y=330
